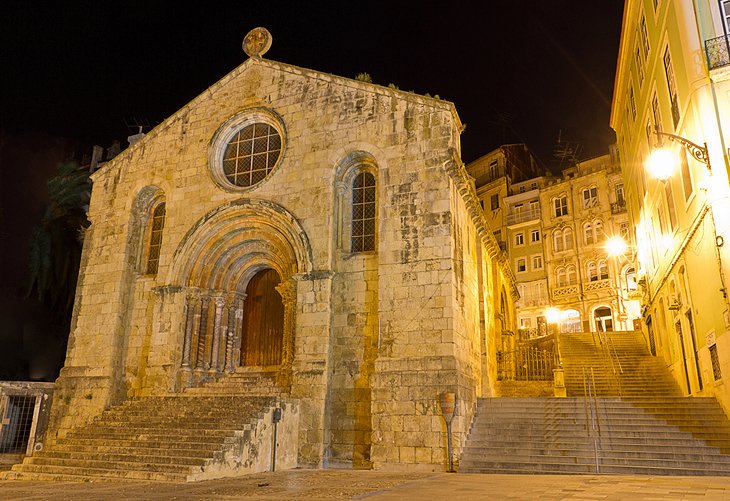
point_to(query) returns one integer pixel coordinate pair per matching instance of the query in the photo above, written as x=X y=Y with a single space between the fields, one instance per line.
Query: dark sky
x=517 y=70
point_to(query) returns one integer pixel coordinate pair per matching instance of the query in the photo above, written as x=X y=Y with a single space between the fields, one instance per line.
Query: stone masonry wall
x=375 y=339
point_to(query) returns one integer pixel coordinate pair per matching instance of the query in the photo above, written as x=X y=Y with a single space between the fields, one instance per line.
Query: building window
x=656 y=113
x=623 y=230
x=494 y=201
x=671 y=85
x=590 y=197
x=519 y=239
x=592 y=271
x=563 y=240
x=644 y=35
x=571 y=275
x=246 y=149
x=670 y=206
x=687 y=186
x=535 y=236
x=588 y=234
x=639 y=65
x=716 y=372
x=619 y=191
x=536 y=262
x=602 y=270
x=521 y=265
x=632 y=103
x=561 y=277
x=363 y=212
x=493 y=170
x=251 y=154
x=560 y=206
x=726 y=15
x=157 y=224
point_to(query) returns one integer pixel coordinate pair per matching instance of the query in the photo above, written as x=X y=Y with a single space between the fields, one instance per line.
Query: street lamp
x=663 y=160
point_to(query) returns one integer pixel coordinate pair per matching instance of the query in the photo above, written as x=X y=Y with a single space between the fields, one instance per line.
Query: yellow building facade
x=672 y=92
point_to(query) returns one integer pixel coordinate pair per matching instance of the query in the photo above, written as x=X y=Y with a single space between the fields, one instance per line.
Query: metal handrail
x=590 y=403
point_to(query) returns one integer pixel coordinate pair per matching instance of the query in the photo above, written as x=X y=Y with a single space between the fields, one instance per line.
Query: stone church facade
x=317 y=228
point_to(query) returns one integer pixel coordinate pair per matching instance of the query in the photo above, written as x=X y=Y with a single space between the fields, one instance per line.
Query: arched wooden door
x=263 y=321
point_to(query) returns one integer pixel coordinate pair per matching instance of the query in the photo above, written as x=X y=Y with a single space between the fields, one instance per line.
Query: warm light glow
x=615 y=246
x=661 y=164
x=552 y=315
x=666 y=242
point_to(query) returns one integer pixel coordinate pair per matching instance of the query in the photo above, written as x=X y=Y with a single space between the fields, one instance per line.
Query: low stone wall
x=252 y=450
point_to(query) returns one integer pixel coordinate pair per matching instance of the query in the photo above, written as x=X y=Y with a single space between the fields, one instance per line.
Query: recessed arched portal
x=262 y=333
x=239 y=267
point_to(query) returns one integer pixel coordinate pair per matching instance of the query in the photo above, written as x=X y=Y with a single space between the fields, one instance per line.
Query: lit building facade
x=554 y=230
x=672 y=90
x=592 y=289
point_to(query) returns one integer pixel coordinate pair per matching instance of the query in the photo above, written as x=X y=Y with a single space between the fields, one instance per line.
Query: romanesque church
x=300 y=235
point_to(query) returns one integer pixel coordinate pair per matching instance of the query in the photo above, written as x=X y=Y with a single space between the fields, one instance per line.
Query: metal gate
x=17 y=424
x=526 y=364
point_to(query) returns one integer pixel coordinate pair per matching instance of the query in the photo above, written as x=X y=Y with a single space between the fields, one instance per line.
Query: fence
x=526 y=364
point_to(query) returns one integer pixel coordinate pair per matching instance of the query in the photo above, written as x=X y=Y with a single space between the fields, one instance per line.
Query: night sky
x=517 y=70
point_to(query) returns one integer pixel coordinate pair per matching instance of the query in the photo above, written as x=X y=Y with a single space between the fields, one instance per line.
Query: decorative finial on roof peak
x=257 y=42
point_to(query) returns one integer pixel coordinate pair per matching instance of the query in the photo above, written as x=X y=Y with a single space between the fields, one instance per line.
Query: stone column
x=220 y=303
x=235 y=317
x=200 y=362
x=287 y=290
x=191 y=312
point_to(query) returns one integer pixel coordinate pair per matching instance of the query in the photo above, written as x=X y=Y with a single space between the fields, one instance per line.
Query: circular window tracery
x=251 y=154
x=246 y=149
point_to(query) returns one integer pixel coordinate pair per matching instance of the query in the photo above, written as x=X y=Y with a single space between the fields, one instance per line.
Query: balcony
x=718 y=52
x=565 y=292
x=597 y=285
x=523 y=216
x=618 y=207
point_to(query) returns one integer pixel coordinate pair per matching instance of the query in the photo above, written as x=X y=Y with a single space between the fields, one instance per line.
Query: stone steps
x=637 y=422
x=167 y=438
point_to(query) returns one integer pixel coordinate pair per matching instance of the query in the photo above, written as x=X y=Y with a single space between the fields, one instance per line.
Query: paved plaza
x=377 y=486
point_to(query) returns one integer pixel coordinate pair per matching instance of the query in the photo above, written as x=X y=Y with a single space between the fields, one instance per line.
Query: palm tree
x=55 y=246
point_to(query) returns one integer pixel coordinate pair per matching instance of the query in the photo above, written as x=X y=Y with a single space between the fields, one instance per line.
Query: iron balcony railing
x=618 y=207
x=718 y=52
x=522 y=216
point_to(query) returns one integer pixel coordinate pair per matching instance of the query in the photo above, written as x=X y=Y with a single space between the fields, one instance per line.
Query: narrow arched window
x=561 y=277
x=558 y=242
x=157 y=223
x=592 y=271
x=572 y=275
x=602 y=270
x=598 y=230
x=363 y=212
x=588 y=234
x=568 y=237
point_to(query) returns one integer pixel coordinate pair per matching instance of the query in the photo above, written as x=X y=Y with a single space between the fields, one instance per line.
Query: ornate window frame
x=226 y=133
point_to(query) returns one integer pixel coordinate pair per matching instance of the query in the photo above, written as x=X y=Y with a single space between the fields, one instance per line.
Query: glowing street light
x=616 y=246
x=553 y=315
x=662 y=163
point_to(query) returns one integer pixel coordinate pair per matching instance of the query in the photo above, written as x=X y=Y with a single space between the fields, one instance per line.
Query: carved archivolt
x=226 y=247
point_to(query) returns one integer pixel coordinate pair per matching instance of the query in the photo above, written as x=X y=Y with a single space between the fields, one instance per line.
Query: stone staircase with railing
x=224 y=428
x=631 y=420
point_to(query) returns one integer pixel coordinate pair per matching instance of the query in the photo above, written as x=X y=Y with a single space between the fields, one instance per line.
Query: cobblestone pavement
x=382 y=486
